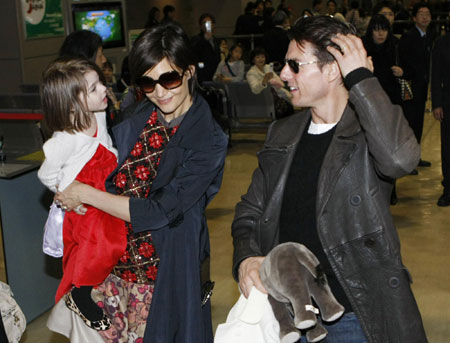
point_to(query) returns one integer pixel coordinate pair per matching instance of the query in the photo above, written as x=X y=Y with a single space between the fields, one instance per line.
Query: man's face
x=309 y=87
x=423 y=18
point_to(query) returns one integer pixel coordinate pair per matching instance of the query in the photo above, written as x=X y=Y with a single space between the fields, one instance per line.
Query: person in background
x=415 y=54
x=440 y=100
x=232 y=69
x=381 y=45
x=206 y=48
x=223 y=49
x=153 y=18
x=276 y=40
x=110 y=79
x=306 y=13
x=261 y=76
x=169 y=14
x=323 y=179
x=247 y=24
x=317 y=7
x=332 y=10
x=385 y=8
x=170 y=166
x=89 y=45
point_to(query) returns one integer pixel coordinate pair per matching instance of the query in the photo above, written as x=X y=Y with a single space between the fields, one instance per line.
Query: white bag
x=12 y=316
x=53 y=232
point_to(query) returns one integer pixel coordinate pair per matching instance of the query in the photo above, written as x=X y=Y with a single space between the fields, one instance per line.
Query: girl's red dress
x=94 y=242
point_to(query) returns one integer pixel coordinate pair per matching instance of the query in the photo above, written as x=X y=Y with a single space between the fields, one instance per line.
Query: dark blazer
x=371 y=146
x=415 y=55
x=189 y=175
x=440 y=74
x=276 y=43
x=207 y=53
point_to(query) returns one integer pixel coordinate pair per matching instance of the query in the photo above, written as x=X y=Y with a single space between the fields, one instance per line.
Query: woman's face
x=388 y=13
x=379 y=36
x=171 y=102
x=236 y=54
x=99 y=57
x=259 y=61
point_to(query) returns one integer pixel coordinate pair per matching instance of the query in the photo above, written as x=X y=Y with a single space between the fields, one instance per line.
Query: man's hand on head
x=351 y=55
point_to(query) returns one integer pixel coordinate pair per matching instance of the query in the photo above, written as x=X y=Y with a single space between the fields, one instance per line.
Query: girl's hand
x=397 y=71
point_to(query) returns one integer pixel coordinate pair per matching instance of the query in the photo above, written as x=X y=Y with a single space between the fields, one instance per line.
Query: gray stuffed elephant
x=293 y=277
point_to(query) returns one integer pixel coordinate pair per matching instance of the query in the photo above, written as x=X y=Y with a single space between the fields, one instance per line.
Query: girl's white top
x=66 y=154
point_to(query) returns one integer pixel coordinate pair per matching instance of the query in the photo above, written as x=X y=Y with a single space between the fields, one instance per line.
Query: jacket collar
x=127 y=133
x=296 y=124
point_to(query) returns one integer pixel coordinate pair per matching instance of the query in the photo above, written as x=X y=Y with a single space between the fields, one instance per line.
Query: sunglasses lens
x=170 y=80
x=293 y=65
x=146 y=84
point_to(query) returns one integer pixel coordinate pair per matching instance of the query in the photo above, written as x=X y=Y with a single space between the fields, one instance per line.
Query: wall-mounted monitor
x=104 y=18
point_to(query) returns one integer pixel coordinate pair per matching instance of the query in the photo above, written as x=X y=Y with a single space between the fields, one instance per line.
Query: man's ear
x=333 y=71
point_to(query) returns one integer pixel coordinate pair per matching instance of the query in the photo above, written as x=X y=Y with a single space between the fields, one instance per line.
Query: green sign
x=43 y=18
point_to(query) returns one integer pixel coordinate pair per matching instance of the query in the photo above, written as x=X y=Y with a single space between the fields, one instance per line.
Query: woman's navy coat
x=189 y=175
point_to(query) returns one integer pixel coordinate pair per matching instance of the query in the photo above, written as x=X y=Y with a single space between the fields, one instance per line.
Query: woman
x=261 y=75
x=153 y=17
x=171 y=158
x=381 y=44
x=84 y=44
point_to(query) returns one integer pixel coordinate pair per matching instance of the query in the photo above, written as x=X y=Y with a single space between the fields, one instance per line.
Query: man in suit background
x=440 y=98
x=415 y=52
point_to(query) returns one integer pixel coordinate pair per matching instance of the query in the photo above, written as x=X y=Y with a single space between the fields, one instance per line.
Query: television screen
x=103 y=18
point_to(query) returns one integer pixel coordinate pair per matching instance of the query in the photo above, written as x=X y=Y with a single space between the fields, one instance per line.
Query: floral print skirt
x=127 y=305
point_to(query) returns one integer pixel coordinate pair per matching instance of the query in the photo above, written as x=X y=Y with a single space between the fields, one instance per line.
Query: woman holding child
x=171 y=159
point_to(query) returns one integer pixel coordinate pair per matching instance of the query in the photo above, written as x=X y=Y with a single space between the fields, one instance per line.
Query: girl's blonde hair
x=62 y=84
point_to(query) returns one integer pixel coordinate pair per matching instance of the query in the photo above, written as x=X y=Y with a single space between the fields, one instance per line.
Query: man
x=440 y=90
x=324 y=180
x=276 y=40
x=415 y=53
x=207 y=48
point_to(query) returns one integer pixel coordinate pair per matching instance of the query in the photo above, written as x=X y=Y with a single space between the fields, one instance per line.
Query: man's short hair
x=168 y=9
x=418 y=6
x=279 y=18
x=318 y=31
x=382 y=4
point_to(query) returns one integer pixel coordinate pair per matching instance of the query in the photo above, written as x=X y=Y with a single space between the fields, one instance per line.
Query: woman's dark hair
x=230 y=50
x=257 y=51
x=151 y=18
x=61 y=85
x=377 y=22
x=81 y=43
x=319 y=31
x=166 y=40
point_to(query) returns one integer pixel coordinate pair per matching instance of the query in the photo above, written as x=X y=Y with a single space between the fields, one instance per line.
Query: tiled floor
x=423 y=227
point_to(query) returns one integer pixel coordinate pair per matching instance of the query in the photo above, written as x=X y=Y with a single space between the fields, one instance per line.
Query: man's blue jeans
x=345 y=330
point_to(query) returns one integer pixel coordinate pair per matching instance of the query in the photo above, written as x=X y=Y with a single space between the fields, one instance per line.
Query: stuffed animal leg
x=288 y=332
x=291 y=275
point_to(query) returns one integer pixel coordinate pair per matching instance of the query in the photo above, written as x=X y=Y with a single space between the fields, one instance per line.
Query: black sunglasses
x=295 y=65
x=169 y=80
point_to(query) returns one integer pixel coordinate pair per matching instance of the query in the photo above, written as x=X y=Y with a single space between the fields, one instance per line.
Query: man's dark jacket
x=208 y=54
x=189 y=175
x=372 y=145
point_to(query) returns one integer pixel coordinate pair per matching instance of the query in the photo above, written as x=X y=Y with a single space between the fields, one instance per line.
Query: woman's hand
x=267 y=77
x=352 y=54
x=70 y=198
x=276 y=83
x=249 y=275
x=397 y=71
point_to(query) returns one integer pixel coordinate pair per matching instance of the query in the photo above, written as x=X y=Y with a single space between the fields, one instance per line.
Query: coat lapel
x=337 y=157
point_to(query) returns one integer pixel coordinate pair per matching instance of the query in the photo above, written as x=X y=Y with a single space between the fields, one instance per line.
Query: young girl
x=232 y=68
x=73 y=101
